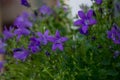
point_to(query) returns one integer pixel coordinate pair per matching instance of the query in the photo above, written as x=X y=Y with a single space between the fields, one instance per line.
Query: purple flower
x=34 y=45
x=23 y=21
x=85 y=21
x=45 y=10
x=20 y=54
x=98 y=2
x=114 y=34
x=65 y=8
x=58 y=3
x=25 y=3
x=2 y=47
x=8 y=33
x=21 y=31
x=43 y=37
x=57 y=41
x=1 y=65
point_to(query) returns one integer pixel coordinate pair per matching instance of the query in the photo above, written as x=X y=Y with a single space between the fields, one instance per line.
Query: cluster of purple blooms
x=87 y=19
x=23 y=26
x=36 y=42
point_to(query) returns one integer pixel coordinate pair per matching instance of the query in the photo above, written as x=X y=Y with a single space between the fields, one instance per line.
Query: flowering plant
x=43 y=45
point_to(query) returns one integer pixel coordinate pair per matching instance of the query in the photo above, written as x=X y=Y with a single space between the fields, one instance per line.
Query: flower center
x=87 y=22
x=58 y=41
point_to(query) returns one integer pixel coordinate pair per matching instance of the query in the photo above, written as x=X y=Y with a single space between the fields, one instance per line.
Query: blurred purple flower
x=98 y=2
x=116 y=54
x=114 y=34
x=21 y=31
x=25 y=3
x=58 y=3
x=23 y=21
x=85 y=21
x=57 y=41
x=65 y=8
x=1 y=65
x=34 y=45
x=7 y=34
x=45 y=10
x=43 y=37
x=20 y=54
x=2 y=47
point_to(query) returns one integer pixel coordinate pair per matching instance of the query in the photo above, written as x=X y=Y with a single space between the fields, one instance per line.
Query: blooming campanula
x=23 y=21
x=7 y=34
x=43 y=37
x=25 y=3
x=57 y=41
x=34 y=45
x=85 y=21
x=45 y=10
x=20 y=54
x=114 y=34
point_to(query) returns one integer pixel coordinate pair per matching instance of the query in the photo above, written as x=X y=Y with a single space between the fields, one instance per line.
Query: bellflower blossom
x=43 y=37
x=114 y=34
x=34 y=45
x=8 y=33
x=25 y=3
x=23 y=24
x=23 y=21
x=98 y=2
x=2 y=47
x=85 y=21
x=20 y=54
x=45 y=10
x=21 y=31
x=57 y=41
